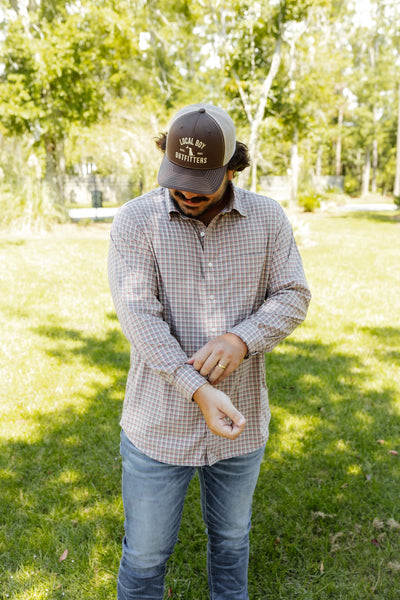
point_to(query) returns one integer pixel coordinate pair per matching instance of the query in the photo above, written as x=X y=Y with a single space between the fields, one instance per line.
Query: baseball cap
x=200 y=143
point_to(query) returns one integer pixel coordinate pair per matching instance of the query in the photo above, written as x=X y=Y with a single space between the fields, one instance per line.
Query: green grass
x=326 y=511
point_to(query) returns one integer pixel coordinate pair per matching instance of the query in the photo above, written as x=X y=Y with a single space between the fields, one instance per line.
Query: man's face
x=203 y=207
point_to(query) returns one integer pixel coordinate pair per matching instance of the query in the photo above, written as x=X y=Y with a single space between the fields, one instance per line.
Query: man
x=205 y=278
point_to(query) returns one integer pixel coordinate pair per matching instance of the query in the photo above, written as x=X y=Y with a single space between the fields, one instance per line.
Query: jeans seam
x=206 y=519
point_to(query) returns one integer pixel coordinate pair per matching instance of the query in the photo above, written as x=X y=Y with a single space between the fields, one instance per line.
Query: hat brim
x=196 y=181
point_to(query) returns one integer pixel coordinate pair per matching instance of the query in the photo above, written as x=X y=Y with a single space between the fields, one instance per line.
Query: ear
x=230 y=175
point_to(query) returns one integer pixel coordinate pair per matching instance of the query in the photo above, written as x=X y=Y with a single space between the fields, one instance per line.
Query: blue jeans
x=153 y=495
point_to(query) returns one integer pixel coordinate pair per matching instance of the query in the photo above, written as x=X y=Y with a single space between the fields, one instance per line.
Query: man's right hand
x=219 y=413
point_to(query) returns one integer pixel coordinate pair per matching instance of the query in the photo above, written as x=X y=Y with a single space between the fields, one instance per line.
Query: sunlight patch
x=354 y=470
x=69 y=476
x=293 y=429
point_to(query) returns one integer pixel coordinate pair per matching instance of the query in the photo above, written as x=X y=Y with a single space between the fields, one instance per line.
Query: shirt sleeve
x=134 y=289
x=286 y=300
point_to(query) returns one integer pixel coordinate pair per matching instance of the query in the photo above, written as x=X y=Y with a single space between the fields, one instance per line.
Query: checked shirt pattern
x=176 y=284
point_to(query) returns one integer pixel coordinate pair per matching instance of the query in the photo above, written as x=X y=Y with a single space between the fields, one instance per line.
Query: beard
x=224 y=200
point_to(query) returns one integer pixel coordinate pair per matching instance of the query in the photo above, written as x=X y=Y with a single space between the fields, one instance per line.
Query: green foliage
x=58 y=68
x=122 y=145
x=56 y=80
x=26 y=202
x=397 y=201
x=309 y=201
x=27 y=206
x=352 y=185
x=71 y=70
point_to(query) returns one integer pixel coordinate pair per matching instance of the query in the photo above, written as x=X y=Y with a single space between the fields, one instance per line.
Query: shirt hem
x=159 y=457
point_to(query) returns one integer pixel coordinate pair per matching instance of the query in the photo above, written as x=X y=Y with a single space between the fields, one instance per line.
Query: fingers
x=220 y=414
x=217 y=359
x=221 y=372
x=234 y=424
x=205 y=359
x=228 y=430
x=216 y=366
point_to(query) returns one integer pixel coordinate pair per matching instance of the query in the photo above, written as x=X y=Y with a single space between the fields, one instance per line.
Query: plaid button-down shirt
x=176 y=284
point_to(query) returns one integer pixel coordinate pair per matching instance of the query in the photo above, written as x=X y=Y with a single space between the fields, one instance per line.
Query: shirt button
x=210 y=264
x=213 y=329
x=202 y=233
x=212 y=297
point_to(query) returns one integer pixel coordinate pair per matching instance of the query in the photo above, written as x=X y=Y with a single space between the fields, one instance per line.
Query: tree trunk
x=396 y=190
x=258 y=117
x=318 y=166
x=294 y=168
x=253 y=185
x=338 y=158
x=366 y=173
x=374 y=164
x=55 y=169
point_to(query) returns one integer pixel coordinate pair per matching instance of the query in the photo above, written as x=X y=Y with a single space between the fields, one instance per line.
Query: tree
x=396 y=190
x=58 y=67
x=266 y=51
x=373 y=76
x=306 y=82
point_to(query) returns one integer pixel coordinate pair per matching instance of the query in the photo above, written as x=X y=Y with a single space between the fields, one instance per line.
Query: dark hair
x=239 y=161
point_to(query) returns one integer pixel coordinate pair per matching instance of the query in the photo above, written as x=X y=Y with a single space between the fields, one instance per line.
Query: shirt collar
x=236 y=204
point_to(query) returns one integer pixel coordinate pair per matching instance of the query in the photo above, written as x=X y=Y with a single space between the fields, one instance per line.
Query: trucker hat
x=200 y=143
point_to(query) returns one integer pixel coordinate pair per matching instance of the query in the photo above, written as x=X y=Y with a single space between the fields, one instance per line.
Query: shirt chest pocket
x=245 y=269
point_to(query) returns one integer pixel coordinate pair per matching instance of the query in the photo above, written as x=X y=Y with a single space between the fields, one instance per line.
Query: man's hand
x=219 y=413
x=219 y=357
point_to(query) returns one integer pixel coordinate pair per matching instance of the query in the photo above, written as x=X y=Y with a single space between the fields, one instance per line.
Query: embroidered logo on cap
x=191 y=151
x=195 y=140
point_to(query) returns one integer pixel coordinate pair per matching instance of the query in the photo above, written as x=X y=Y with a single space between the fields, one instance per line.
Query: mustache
x=194 y=199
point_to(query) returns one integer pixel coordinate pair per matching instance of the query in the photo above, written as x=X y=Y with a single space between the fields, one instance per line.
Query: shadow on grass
x=10 y=243
x=324 y=475
x=387 y=341
x=328 y=473
x=375 y=217
x=61 y=490
x=110 y=352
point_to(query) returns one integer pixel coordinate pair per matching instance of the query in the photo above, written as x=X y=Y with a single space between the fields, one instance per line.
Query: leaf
x=63 y=556
x=169 y=592
x=393 y=524
x=334 y=539
x=378 y=524
x=375 y=542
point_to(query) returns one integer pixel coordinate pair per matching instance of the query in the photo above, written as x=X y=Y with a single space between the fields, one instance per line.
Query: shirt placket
x=209 y=289
x=211 y=279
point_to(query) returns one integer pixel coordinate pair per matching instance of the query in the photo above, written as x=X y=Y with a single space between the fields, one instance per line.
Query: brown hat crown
x=200 y=142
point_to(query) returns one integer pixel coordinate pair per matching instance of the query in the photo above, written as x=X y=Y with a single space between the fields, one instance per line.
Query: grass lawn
x=326 y=518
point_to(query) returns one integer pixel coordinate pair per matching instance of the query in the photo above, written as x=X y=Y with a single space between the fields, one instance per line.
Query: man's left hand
x=219 y=357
